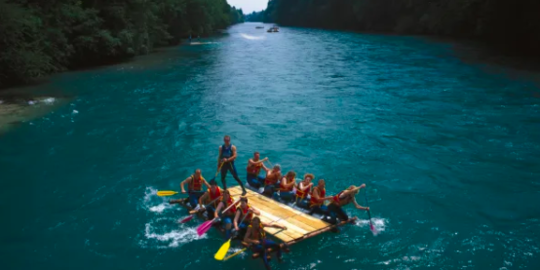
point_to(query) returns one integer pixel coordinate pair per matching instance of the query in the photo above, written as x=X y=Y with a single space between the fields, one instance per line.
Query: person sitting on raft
x=286 y=186
x=303 y=190
x=253 y=169
x=227 y=217
x=318 y=196
x=271 y=180
x=195 y=184
x=343 y=198
x=244 y=215
x=256 y=236
x=210 y=196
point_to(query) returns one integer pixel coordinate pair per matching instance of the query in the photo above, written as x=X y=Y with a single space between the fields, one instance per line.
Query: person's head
x=290 y=175
x=321 y=183
x=256 y=156
x=227 y=139
x=308 y=177
x=243 y=201
x=276 y=168
x=256 y=221
x=213 y=186
x=197 y=173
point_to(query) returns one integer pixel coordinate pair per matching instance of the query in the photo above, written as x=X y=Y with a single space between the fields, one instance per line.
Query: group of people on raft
x=218 y=202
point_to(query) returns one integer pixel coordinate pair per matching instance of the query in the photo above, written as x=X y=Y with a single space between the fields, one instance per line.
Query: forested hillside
x=41 y=37
x=511 y=24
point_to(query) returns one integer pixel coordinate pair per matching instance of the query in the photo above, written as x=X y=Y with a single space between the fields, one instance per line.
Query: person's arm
x=236 y=218
x=315 y=194
x=206 y=184
x=201 y=199
x=183 y=183
x=359 y=206
x=291 y=184
x=233 y=157
x=273 y=226
x=264 y=167
x=218 y=208
x=247 y=237
x=255 y=211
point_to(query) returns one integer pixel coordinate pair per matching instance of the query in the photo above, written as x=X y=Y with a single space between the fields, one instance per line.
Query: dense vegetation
x=257 y=17
x=40 y=37
x=512 y=24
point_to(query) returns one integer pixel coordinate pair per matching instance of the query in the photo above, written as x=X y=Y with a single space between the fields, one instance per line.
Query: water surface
x=449 y=150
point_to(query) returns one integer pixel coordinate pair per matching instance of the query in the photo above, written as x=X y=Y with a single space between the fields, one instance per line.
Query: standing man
x=227 y=155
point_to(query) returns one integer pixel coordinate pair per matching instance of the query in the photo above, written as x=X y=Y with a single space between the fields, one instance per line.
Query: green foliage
x=40 y=37
x=513 y=24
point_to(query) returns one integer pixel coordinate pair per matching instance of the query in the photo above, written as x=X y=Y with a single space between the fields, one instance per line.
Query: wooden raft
x=299 y=225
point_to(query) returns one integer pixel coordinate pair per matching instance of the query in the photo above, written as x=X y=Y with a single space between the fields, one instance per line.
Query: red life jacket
x=317 y=202
x=232 y=210
x=244 y=212
x=214 y=196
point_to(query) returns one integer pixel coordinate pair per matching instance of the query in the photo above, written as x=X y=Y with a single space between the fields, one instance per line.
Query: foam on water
x=378 y=223
x=153 y=202
x=250 y=37
x=159 y=236
x=48 y=100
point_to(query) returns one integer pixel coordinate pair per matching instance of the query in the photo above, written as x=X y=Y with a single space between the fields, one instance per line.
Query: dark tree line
x=511 y=24
x=40 y=37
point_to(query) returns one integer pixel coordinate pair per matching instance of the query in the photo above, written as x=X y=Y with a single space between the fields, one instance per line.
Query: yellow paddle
x=234 y=254
x=164 y=193
x=171 y=193
x=225 y=247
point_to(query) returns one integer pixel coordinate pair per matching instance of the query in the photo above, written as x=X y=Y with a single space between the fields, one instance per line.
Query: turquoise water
x=449 y=150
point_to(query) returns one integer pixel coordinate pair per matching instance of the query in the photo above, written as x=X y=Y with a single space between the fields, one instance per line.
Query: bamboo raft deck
x=299 y=225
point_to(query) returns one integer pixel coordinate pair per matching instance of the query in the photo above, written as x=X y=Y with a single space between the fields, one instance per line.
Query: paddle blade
x=188 y=218
x=203 y=228
x=166 y=193
x=373 y=229
x=220 y=255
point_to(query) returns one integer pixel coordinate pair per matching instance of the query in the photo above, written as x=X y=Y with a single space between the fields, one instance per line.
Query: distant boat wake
x=200 y=43
x=252 y=37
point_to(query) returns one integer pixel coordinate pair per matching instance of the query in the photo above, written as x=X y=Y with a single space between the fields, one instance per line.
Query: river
x=449 y=150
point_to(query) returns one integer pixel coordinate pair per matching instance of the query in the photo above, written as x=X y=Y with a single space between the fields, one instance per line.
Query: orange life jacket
x=283 y=188
x=268 y=181
x=259 y=233
x=301 y=194
x=254 y=169
x=195 y=184
x=341 y=202
x=317 y=202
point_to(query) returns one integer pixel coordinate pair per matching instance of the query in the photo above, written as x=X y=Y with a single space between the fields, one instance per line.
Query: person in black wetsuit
x=227 y=155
